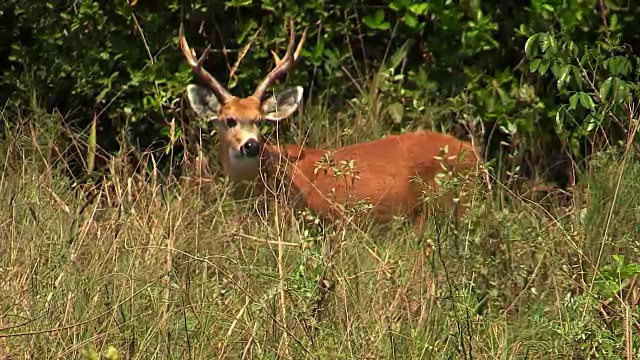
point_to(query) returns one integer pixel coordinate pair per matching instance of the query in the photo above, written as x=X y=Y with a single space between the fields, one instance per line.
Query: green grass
x=177 y=270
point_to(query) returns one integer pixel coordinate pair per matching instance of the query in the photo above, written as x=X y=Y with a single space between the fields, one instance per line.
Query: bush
x=537 y=82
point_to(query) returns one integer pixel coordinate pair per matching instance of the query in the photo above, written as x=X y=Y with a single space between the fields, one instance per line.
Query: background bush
x=437 y=64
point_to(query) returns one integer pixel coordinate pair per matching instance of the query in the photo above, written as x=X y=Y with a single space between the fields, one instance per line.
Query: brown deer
x=388 y=175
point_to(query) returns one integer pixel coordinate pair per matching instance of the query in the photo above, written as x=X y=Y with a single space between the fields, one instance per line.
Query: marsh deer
x=388 y=174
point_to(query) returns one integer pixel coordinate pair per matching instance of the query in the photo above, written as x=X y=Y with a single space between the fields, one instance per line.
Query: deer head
x=236 y=117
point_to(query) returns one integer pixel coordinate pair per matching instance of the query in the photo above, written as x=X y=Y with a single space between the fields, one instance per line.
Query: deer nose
x=251 y=148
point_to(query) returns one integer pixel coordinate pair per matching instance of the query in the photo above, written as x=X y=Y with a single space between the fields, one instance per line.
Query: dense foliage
x=535 y=80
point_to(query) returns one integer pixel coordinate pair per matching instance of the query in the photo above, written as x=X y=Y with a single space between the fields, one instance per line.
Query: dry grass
x=175 y=269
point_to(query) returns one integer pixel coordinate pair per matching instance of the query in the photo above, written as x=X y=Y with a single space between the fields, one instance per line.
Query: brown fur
x=243 y=109
x=385 y=174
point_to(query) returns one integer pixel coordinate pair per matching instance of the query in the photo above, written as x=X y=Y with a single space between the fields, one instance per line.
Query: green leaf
x=102 y=94
x=504 y=97
x=534 y=65
x=614 y=89
x=544 y=66
x=591 y=122
x=411 y=20
x=560 y=121
x=166 y=131
x=531 y=45
x=370 y=22
x=605 y=88
x=621 y=90
x=319 y=49
x=544 y=41
x=564 y=75
x=553 y=46
x=613 y=21
x=419 y=9
x=91 y=148
x=396 y=112
x=238 y=3
x=548 y=7
x=398 y=56
x=90 y=354
x=376 y=21
x=573 y=101
x=379 y=16
x=571 y=48
x=577 y=77
x=586 y=101
x=489 y=102
x=618 y=65
x=399 y=4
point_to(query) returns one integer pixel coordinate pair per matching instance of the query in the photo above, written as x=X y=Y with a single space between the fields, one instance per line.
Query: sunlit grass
x=174 y=268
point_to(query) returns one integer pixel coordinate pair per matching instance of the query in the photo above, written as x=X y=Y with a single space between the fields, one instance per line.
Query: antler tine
x=196 y=65
x=282 y=65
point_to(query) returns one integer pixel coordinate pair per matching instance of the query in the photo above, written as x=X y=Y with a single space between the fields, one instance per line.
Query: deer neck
x=273 y=160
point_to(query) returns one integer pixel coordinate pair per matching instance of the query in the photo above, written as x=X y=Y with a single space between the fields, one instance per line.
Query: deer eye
x=231 y=122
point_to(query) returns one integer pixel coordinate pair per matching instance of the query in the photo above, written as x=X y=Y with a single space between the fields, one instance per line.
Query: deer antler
x=196 y=65
x=282 y=65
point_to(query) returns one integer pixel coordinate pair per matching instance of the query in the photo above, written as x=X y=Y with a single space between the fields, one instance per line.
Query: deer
x=388 y=174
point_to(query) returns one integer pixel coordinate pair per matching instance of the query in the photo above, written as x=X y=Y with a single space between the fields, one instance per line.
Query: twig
x=589 y=81
x=233 y=326
x=603 y=16
x=242 y=53
x=144 y=40
x=166 y=294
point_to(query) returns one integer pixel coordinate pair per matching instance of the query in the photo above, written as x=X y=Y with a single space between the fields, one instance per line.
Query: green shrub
x=534 y=81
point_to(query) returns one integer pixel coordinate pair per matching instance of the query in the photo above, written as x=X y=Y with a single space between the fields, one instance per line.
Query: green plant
x=599 y=84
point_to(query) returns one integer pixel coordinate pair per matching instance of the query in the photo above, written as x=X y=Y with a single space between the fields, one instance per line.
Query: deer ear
x=203 y=101
x=282 y=105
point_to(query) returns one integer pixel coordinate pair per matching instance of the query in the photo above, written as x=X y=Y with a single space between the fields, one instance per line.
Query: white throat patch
x=242 y=167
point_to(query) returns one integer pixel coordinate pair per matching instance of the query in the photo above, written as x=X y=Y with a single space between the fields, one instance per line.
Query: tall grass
x=176 y=269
